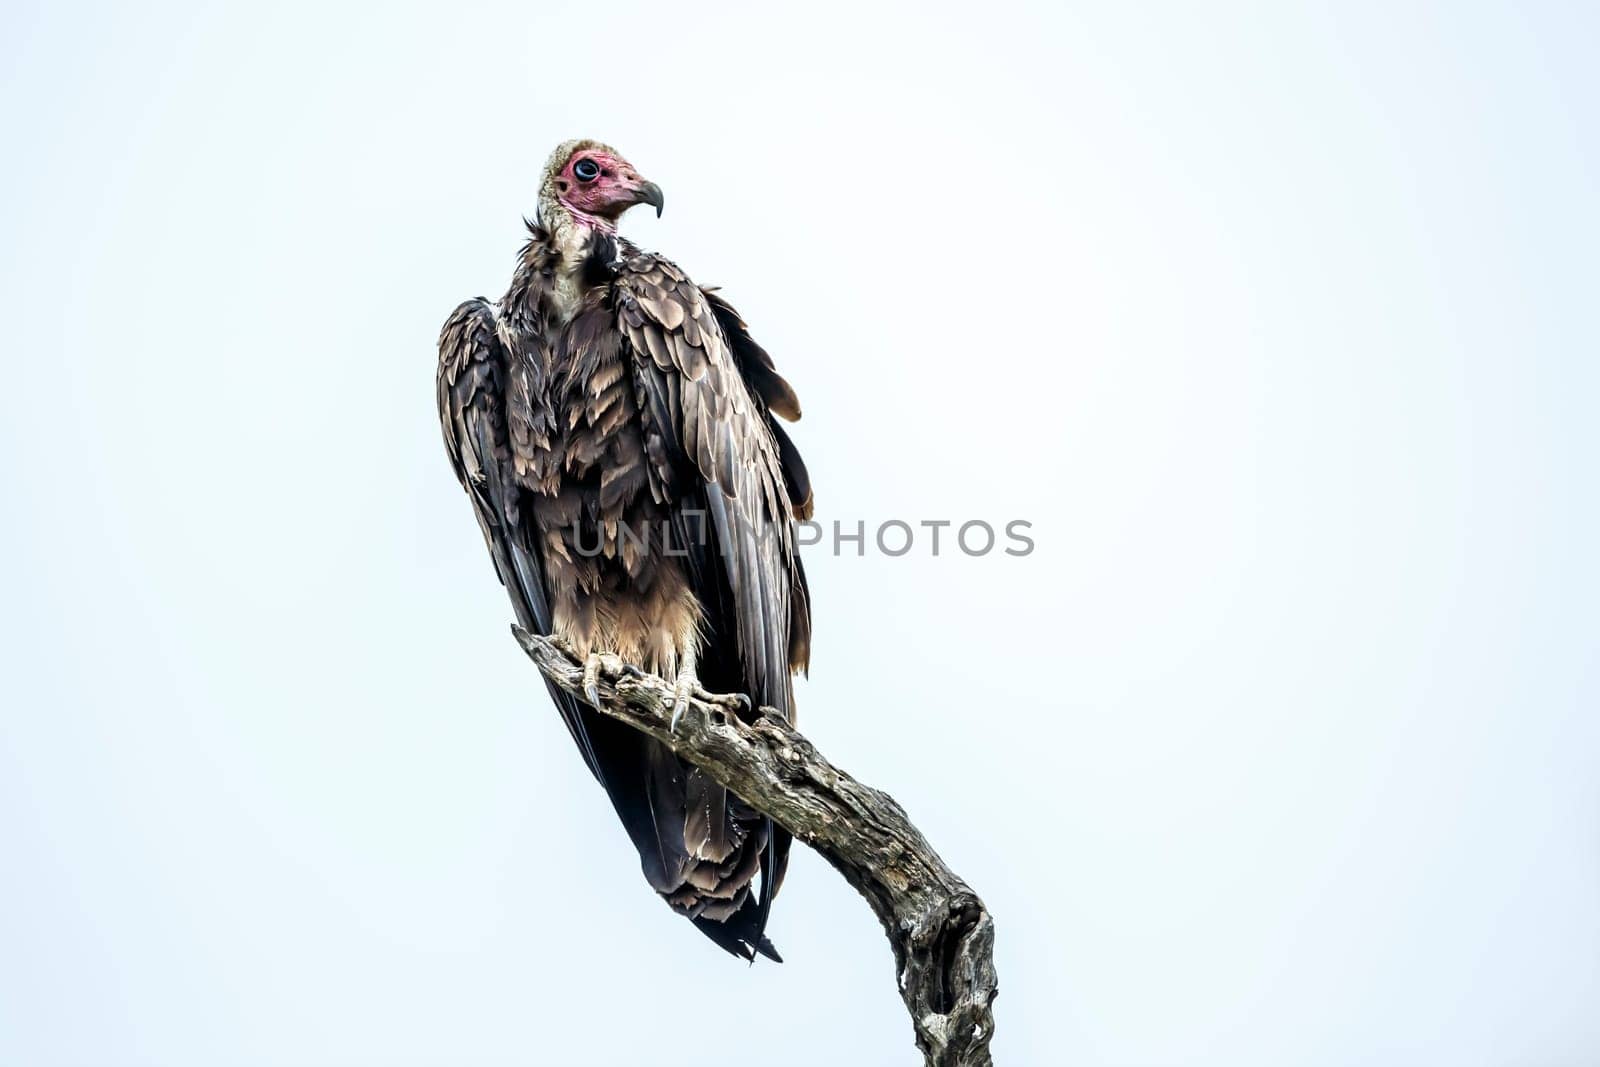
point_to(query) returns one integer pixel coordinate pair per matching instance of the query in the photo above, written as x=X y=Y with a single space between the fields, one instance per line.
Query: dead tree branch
x=941 y=934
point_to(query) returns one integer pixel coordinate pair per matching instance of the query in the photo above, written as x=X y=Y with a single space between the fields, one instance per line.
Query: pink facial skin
x=600 y=201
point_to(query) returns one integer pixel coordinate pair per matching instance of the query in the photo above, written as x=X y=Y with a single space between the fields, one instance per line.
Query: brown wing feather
x=472 y=401
x=760 y=373
x=696 y=394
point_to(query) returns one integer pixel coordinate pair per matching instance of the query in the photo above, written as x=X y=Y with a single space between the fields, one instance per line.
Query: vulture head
x=593 y=184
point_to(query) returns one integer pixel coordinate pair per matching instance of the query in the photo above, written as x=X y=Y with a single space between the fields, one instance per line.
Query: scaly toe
x=682 y=693
x=591 y=678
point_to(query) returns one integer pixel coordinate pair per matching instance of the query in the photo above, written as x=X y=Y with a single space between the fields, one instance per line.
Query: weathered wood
x=941 y=933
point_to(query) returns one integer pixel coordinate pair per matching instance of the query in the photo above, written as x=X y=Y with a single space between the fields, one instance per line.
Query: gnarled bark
x=941 y=933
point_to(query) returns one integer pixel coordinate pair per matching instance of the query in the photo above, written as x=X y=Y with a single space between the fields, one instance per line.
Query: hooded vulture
x=615 y=428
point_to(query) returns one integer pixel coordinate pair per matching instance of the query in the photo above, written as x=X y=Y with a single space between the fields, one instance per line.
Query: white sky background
x=1278 y=325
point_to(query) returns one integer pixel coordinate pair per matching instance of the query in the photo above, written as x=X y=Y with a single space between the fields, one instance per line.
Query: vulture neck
x=572 y=236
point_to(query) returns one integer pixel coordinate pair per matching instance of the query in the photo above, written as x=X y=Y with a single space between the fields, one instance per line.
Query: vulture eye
x=586 y=170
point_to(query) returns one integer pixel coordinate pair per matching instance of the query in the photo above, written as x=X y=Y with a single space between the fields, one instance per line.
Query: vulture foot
x=685 y=690
x=594 y=665
x=688 y=688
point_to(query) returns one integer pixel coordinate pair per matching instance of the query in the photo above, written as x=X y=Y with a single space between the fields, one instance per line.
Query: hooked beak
x=650 y=193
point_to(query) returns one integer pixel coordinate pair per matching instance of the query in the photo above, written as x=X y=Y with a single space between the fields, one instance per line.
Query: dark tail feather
x=649 y=787
x=740 y=934
x=774 y=864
